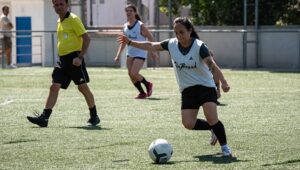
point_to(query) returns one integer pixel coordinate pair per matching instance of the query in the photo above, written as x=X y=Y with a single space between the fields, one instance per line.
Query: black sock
x=145 y=82
x=46 y=113
x=201 y=125
x=139 y=87
x=93 y=111
x=219 y=131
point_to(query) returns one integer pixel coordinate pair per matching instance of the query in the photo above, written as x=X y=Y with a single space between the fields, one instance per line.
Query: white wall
x=109 y=13
x=112 y=13
x=35 y=10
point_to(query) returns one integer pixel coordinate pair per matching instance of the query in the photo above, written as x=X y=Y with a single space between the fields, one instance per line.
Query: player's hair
x=137 y=16
x=67 y=1
x=188 y=25
x=4 y=7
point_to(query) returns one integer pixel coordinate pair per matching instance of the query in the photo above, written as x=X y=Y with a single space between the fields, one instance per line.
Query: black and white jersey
x=188 y=63
x=134 y=33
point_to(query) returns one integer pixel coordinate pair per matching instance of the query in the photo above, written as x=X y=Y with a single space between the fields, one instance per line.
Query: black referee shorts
x=65 y=71
x=195 y=96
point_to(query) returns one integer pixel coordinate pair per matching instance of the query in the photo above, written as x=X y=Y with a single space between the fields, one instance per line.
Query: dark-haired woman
x=194 y=70
x=135 y=29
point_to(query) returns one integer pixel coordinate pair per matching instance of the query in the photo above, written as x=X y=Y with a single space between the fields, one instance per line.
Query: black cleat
x=218 y=103
x=94 y=120
x=38 y=120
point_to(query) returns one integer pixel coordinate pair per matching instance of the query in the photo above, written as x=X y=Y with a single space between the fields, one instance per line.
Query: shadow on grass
x=215 y=158
x=121 y=161
x=286 y=71
x=269 y=70
x=222 y=104
x=21 y=141
x=90 y=128
x=164 y=164
x=156 y=98
x=218 y=159
x=284 y=162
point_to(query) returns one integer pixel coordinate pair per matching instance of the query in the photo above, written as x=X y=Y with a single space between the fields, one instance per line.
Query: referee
x=73 y=42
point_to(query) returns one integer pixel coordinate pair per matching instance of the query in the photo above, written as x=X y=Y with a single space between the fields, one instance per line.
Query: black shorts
x=195 y=96
x=65 y=71
x=6 y=42
x=136 y=57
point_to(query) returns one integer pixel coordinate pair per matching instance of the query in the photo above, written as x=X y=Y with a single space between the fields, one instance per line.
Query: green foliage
x=230 y=12
x=261 y=117
x=175 y=6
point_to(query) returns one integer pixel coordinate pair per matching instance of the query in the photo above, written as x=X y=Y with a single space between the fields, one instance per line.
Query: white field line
x=6 y=102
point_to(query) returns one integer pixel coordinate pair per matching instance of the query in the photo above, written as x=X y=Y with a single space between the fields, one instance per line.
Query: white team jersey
x=4 y=21
x=190 y=69
x=135 y=34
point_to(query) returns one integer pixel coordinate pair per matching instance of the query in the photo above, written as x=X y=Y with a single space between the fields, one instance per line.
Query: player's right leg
x=59 y=80
x=133 y=70
x=42 y=119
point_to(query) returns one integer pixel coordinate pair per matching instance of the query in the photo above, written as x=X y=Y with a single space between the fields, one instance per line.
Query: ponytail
x=137 y=17
x=194 y=34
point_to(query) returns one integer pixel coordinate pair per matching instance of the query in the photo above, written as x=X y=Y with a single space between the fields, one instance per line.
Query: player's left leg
x=137 y=65
x=210 y=112
x=89 y=98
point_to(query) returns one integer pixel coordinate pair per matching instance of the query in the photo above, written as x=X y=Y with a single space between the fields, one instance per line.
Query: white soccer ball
x=160 y=151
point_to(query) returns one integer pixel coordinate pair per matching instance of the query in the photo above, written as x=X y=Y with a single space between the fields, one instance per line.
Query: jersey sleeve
x=164 y=44
x=204 y=51
x=78 y=27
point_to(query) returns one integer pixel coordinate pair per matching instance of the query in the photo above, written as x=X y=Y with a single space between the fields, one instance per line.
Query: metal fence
x=29 y=48
x=234 y=48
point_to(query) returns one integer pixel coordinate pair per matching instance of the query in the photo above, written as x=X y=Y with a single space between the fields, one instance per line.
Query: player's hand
x=77 y=61
x=225 y=86
x=10 y=26
x=117 y=59
x=122 y=39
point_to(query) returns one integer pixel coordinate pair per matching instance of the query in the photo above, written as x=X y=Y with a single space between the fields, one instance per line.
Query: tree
x=230 y=12
x=163 y=4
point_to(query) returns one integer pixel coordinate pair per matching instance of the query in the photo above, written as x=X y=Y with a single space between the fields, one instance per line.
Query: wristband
x=129 y=42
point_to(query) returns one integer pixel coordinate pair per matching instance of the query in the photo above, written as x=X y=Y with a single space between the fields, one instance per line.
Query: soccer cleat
x=226 y=150
x=213 y=139
x=94 y=120
x=141 y=96
x=38 y=120
x=149 y=89
x=218 y=103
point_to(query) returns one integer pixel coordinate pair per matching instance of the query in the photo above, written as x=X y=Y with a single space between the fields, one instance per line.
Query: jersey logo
x=191 y=58
x=180 y=66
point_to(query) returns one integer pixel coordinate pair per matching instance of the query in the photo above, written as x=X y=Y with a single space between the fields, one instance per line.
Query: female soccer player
x=135 y=30
x=194 y=70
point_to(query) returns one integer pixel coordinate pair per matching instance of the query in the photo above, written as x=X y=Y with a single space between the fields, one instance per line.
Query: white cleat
x=226 y=150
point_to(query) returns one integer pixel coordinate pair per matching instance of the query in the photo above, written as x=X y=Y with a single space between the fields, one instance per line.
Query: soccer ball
x=160 y=151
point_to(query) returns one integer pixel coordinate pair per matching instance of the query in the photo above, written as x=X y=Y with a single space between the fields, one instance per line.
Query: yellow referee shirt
x=69 y=33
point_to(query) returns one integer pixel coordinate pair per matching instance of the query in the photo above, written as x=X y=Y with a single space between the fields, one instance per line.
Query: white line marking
x=6 y=103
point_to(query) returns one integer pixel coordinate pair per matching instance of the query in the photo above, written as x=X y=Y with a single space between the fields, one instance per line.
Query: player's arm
x=118 y=55
x=146 y=33
x=216 y=71
x=145 y=45
x=215 y=76
x=85 y=44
